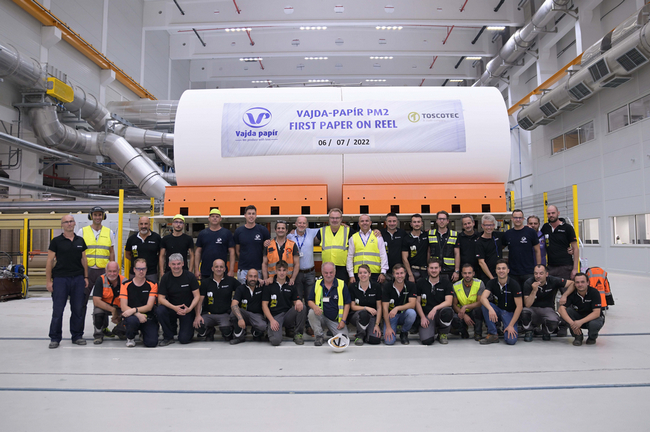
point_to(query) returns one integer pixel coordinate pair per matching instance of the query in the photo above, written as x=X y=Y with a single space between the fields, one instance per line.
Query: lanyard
x=298 y=241
x=496 y=248
x=361 y=237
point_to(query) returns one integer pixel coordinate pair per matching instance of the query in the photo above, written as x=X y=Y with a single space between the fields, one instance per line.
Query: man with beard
x=214 y=242
x=415 y=250
x=501 y=302
x=249 y=243
x=433 y=305
x=145 y=244
x=329 y=304
x=215 y=298
x=443 y=246
x=467 y=243
x=393 y=237
x=467 y=304
x=583 y=310
x=246 y=309
x=523 y=248
x=282 y=307
x=176 y=242
x=106 y=295
x=559 y=237
x=398 y=301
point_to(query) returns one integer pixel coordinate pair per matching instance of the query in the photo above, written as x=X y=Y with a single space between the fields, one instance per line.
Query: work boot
x=478 y=336
x=464 y=334
x=98 y=340
x=79 y=341
x=319 y=341
x=297 y=339
x=107 y=333
x=546 y=337
x=528 y=337
x=358 y=341
x=591 y=341
x=490 y=339
x=53 y=345
x=165 y=342
x=404 y=338
x=442 y=338
x=578 y=340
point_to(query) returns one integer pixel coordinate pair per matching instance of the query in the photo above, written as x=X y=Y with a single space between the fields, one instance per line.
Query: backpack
x=598 y=280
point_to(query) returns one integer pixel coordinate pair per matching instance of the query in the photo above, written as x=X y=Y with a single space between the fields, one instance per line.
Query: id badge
x=326 y=300
x=300 y=254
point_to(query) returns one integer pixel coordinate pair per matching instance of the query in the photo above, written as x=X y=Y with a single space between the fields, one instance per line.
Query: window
x=640 y=109
x=588 y=229
x=579 y=135
x=617 y=119
x=634 y=229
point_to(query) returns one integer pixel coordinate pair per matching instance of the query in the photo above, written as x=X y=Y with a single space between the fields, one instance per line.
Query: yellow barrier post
x=25 y=242
x=512 y=200
x=151 y=211
x=576 y=224
x=120 y=221
x=545 y=206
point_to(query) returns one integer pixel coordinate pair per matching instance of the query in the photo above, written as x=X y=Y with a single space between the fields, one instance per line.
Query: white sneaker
x=130 y=343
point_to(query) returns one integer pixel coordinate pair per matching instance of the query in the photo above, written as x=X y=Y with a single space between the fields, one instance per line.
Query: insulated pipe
x=49 y=189
x=44 y=151
x=147 y=114
x=149 y=181
x=49 y=129
x=26 y=72
x=516 y=46
x=170 y=177
x=91 y=110
x=163 y=157
x=144 y=138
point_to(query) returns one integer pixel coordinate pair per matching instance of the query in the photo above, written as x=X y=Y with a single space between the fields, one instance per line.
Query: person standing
x=559 y=237
x=489 y=248
x=214 y=242
x=249 y=244
x=304 y=239
x=281 y=249
x=68 y=278
x=393 y=237
x=334 y=242
x=176 y=242
x=533 y=222
x=415 y=250
x=366 y=248
x=178 y=295
x=145 y=244
x=523 y=249
x=467 y=243
x=443 y=244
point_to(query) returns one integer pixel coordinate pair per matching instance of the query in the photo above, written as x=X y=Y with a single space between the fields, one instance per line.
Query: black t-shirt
x=545 y=296
x=491 y=250
x=367 y=298
x=280 y=298
x=393 y=243
x=417 y=249
x=68 y=256
x=584 y=305
x=557 y=244
x=214 y=245
x=390 y=295
x=147 y=249
x=249 y=301
x=181 y=244
x=467 y=245
x=138 y=296
x=178 y=290
x=251 y=246
x=218 y=296
x=432 y=295
x=521 y=257
x=504 y=297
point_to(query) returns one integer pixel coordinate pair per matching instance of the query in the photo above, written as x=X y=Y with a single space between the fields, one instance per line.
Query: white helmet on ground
x=339 y=342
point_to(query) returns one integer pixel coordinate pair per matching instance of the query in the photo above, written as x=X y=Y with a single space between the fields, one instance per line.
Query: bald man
x=366 y=248
x=106 y=300
x=145 y=244
x=67 y=278
x=559 y=237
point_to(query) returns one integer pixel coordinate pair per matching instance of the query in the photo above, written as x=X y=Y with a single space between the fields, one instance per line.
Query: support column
x=588 y=28
x=50 y=36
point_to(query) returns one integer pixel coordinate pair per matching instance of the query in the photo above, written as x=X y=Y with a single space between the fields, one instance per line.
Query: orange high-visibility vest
x=273 y=257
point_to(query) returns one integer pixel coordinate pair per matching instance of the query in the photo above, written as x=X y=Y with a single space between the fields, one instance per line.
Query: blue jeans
x=149 y=330
x=168 y=318
x=405 y=319
x=505 y=317
x=62 y=288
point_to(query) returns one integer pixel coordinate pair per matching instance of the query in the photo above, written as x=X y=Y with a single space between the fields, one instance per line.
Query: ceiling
x=428 y=50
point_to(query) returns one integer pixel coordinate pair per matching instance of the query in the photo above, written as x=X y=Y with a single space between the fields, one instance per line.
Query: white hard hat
x=339 y=342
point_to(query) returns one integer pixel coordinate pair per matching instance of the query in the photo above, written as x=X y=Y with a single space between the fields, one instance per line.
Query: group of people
x=384 y=282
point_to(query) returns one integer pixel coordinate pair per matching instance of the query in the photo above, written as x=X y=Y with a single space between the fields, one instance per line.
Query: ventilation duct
x=147 y=114
x=515 y=47
x=624 y=51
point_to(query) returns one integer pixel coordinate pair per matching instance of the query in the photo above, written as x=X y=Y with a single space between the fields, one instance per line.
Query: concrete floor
x=529 y=386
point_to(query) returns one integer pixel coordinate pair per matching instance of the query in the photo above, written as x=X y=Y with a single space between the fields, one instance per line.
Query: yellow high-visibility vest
x=99 y=249
x=335 y=246
x=366 y=254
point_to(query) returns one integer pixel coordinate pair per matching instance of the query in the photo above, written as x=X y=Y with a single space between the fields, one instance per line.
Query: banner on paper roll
x=261 y=129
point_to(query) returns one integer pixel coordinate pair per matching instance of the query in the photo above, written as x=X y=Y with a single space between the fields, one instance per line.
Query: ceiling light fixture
x=495 y=28
x=473 y=58
x=318 y=80
x=456 y=80
x=313 y=28
x=262 y=82
x=238 y=29
x=315 y=58
x=375 y=80
x=389 y=27
x=381 y=58
x=251 y=59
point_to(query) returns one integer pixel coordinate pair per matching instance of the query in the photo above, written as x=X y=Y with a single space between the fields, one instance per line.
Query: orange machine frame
x=414 y=198
x=269 y=200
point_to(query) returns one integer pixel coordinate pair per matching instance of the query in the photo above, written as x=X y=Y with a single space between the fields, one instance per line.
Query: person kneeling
x=282 y=307
x=366 y=308
x=433 y=305
x=178 y=295
x=329 y=304
x=137 y=299
x=583 y=310
x=506 y=305
x=398 y=301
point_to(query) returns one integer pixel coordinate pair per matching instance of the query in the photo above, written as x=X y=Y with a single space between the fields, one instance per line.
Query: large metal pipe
x=24 y=71
x=55 y=134
x=147 y=114
x=163 y=157
x=515 y=47
x=170 y=177
x=45 y=151
x=112 y=204
x=144 y=138
x=49 y=189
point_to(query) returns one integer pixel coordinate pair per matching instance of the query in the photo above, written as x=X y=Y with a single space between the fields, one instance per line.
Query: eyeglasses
x=139 y=268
